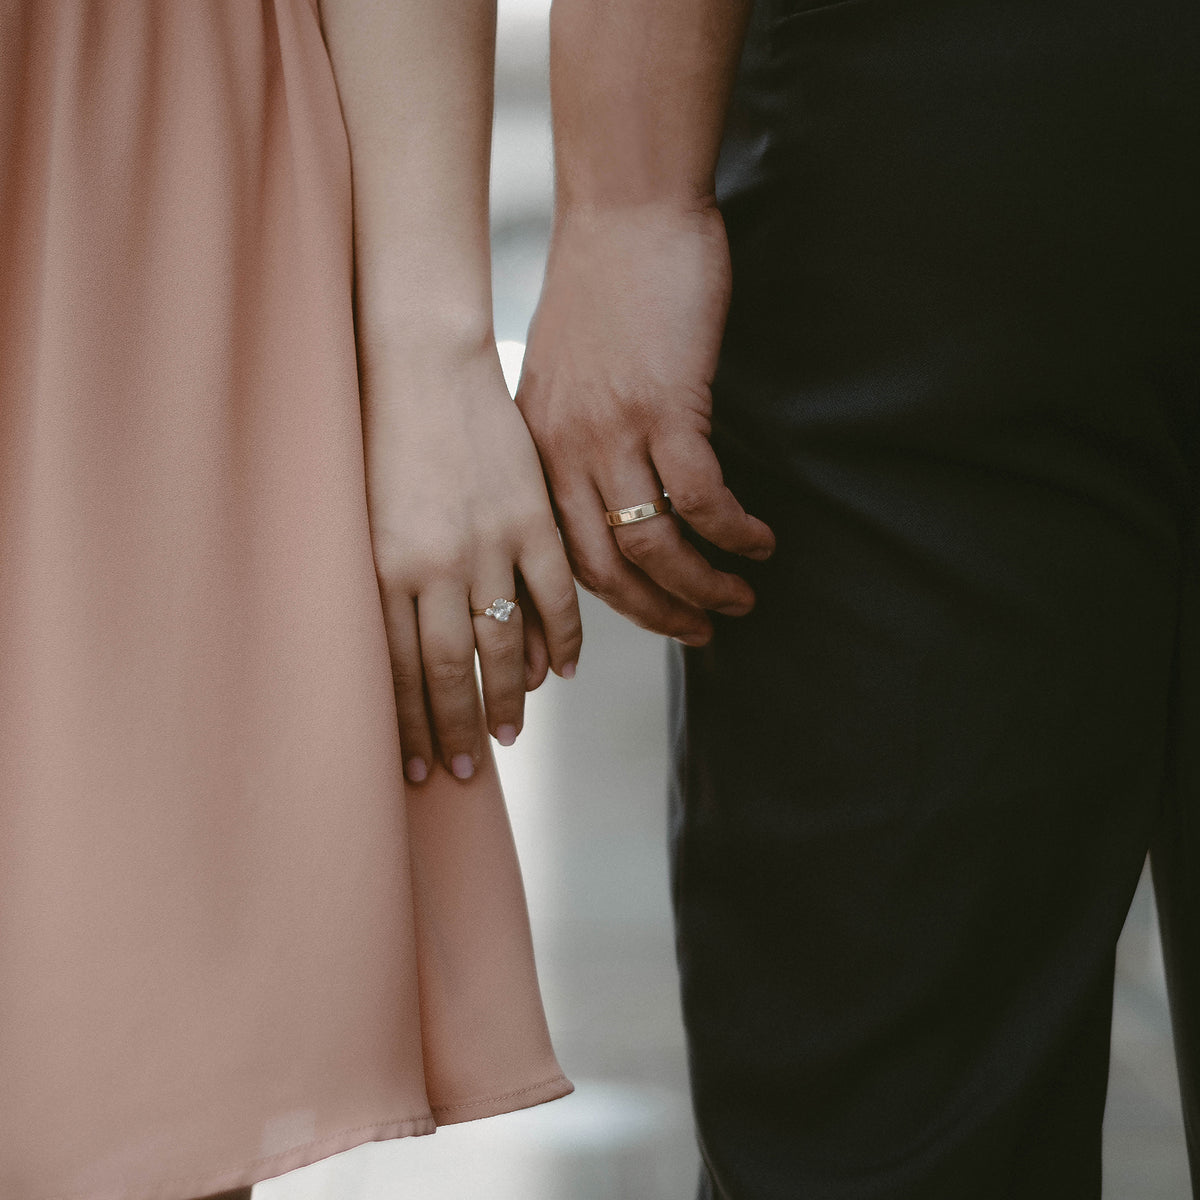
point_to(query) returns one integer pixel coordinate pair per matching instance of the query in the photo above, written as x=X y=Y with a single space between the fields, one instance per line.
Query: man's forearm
x=640 y=89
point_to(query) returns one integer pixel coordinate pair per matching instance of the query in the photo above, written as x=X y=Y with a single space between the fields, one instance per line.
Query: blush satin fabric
x=230 y=943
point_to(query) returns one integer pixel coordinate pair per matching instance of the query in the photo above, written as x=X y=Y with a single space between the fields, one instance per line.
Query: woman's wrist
x=440 y=332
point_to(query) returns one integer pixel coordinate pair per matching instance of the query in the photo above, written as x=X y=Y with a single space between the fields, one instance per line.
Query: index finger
x=691 y=476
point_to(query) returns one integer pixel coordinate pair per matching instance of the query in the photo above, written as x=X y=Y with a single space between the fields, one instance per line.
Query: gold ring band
x=499 y=609
x=639 y=512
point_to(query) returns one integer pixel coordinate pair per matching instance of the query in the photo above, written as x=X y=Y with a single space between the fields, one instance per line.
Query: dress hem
x=312 y=1152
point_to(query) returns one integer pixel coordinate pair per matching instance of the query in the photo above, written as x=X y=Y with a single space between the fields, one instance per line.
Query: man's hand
x=615 y=390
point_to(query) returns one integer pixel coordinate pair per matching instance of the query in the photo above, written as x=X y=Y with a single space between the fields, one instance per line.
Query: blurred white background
x=586 y=788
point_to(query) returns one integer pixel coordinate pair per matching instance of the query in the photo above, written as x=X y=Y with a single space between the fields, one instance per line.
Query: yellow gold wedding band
x=639 y=512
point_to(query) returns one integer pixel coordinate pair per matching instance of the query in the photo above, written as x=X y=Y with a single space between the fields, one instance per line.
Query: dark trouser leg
x=916 y=810
x=1176 y=863
x=916 y=787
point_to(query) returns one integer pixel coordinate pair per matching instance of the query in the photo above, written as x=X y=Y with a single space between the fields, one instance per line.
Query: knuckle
x=503 y=693
x=405 y=567
x=641 y=408
x=456 y=733
x=406 y=679
x=600 y=581
x=694 y=501
x=506 y=658
x=639 y=543
x=449 y=672
x=570 y=632
x=390 y=560
x=561 y=606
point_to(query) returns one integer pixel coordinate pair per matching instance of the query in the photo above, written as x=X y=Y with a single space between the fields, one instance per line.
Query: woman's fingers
x=408 y=679
x=537 y=653
x=434 y=648
x=448 y=657
x=551 y=588
x=656 y=544
x=500 y=640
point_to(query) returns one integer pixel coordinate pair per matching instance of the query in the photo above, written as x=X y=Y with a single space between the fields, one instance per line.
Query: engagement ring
x=499 y=609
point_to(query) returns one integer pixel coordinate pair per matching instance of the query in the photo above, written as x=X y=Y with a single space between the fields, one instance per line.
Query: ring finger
x=657 y=546
x=448 y=657
x=500 y=640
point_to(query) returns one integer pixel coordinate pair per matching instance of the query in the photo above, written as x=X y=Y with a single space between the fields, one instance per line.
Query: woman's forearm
x=415 y=79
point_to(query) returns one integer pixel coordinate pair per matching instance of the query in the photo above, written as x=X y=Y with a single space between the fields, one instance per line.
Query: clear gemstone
x=501 y=609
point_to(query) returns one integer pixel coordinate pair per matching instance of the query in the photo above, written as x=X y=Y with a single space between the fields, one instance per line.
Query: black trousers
x=914 y=790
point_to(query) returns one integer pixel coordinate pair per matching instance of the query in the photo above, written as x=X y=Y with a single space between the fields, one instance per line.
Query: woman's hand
x=460 y=517
x=458 y=508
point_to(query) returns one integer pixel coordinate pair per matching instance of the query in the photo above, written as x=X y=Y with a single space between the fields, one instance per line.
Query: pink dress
x=230 y=943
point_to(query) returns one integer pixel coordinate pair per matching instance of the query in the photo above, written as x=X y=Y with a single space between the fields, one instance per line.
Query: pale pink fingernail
x=462 y=766
x=694 y=639
x=416 y=770
x=568 y=672
x=506 y=735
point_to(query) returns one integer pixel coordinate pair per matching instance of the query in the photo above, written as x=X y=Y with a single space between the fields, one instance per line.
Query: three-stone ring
x=499 y=609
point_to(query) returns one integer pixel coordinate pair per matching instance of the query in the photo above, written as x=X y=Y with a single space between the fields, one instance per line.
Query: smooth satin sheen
x=230 y=942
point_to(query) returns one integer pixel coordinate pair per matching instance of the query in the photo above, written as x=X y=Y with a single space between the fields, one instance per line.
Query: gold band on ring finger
x=639 y=512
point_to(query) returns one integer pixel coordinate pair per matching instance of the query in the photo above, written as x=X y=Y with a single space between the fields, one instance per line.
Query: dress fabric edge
x=308 y=1153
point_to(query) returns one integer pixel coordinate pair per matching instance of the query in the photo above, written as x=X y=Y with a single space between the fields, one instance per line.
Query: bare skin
x=457 y=503
x=623 y=348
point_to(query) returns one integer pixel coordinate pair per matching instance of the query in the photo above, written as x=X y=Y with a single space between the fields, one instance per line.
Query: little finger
x=551 y=588
x=537 y=653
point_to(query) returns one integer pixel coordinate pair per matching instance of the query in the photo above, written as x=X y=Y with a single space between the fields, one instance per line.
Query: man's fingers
x=656 y=546
x=448 y=657
x=691 y=474
x=605 y=572
x=679 y=568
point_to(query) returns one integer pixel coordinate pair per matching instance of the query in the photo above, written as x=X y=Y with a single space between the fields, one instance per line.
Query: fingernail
x=463 y=766
x=568 y=672
x=760 y=555
x=735 y=610
x=506 y=735
x=694 y=639
x=416 y=770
